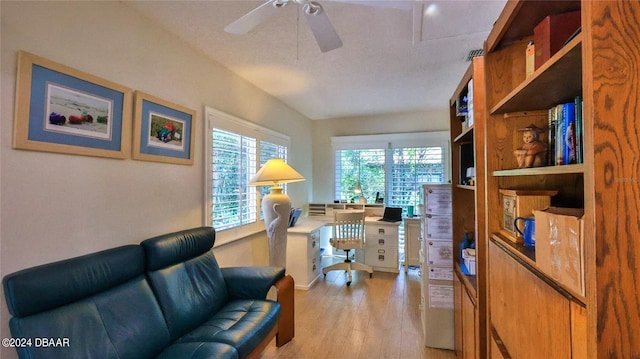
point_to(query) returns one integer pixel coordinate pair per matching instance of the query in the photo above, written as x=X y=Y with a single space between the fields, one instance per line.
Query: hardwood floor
x=373 y=318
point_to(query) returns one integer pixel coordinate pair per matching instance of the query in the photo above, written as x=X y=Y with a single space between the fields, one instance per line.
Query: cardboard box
x=559 y=246
x=530 y=59
x=469 y=262
x=551 y=33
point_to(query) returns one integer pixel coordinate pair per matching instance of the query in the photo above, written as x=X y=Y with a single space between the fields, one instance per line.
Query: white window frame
x=221 y=120
x=395 y=140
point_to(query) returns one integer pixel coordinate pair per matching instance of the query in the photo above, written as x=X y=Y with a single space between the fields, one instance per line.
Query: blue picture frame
x=64 y=110
x=163 y=131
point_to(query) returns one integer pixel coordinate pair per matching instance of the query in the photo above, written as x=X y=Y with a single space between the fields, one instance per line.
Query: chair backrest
x=186 y=278
x=348 y=229
x=96 y=306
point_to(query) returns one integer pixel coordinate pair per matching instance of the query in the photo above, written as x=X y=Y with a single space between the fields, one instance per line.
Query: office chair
x=348 y=234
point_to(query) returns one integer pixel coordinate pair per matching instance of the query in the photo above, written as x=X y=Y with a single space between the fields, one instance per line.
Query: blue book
x=559 y=134
x=579 y=137
x=569 y=133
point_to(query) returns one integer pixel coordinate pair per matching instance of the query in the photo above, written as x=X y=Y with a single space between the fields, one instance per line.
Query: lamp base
x=276 y=207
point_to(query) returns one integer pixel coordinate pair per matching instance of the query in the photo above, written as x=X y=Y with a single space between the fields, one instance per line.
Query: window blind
x=366 y=166
x=236 y=150
x=412 y=167
x=234 y=203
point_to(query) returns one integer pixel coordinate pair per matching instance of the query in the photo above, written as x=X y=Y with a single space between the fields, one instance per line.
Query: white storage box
x=469 y=261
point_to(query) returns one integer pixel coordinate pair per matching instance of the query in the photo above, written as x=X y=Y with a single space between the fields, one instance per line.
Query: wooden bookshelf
x=600 y=65
x=468 y=207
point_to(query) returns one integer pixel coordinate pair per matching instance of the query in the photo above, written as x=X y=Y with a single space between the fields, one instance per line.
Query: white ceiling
x=392 y=61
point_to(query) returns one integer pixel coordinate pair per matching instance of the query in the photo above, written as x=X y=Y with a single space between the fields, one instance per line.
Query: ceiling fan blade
x=325 y=34
x=255 y=17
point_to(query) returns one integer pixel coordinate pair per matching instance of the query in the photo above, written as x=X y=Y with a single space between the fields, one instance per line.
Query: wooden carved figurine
x=533 y=152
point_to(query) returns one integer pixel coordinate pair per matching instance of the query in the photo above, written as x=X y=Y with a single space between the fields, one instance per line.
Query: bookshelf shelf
x=510 y=31
x=528 y=256
x=558 y=80
x=468 y=188
x=469 y=281
x=466 y=135
x=549 y=170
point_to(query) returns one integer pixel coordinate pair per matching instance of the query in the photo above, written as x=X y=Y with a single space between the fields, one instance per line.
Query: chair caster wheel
x=370 y=275
x=348 y=284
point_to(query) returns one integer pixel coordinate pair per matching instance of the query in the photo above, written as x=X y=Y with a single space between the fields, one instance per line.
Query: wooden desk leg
x=286 y=325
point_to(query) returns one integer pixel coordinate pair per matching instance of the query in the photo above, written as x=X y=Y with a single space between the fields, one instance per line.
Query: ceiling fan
x=324 y=32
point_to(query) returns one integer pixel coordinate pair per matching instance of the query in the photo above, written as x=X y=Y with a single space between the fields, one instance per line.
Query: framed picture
x=64 y=110
x=162 y=131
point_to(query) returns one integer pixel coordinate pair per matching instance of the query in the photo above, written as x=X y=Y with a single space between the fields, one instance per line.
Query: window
x=412 y=167
x=236 y=149
x=393 y=167
x=365 y=166
x=234 y=203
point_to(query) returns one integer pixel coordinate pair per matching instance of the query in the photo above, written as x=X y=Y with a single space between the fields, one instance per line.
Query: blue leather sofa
x=165 y=298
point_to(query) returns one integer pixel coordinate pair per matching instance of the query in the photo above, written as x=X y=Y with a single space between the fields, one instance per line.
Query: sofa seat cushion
x=199 y=351
x=242 y=324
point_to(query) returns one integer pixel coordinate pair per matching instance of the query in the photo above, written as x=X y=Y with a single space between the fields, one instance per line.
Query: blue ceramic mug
x=529 y=232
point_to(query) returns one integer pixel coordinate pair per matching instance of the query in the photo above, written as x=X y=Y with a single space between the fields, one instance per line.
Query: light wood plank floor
x=373 y=318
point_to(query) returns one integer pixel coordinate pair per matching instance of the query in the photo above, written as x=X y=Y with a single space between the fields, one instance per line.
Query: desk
x=303 y=247
x=303 y=251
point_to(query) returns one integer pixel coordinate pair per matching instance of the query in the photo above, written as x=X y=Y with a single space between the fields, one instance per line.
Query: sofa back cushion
x=185 y=277
x=48 y=286
x=95 y=306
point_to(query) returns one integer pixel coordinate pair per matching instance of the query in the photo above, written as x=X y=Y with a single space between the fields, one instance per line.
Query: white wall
x=323 y=187
x=56 y=206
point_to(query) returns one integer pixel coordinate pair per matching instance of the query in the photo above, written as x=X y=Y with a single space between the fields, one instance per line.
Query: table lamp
x=276 y=206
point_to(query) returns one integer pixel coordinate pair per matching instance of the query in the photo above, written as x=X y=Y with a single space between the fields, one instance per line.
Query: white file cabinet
x=381 y=246
x=412 y=233
x=437 y=268
x=303 y=252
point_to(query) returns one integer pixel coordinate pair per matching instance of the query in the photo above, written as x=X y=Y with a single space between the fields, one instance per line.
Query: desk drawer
x=314 y=269
x=386 y=257
x=381 y=230
x=313 y=249
x=381 y=241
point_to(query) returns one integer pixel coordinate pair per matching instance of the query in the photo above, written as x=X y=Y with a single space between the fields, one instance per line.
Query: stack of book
x=565 y=133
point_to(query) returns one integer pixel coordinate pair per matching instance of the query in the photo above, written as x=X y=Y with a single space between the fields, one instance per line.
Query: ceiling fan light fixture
x=278 y=4
x=312 y=8
x=322 y=29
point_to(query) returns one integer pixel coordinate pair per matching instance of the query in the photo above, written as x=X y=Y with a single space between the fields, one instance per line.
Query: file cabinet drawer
x=386 y=257
x=376 y=230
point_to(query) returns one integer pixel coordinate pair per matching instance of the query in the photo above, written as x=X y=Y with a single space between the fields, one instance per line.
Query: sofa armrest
x=251 y=282
x=286 y=323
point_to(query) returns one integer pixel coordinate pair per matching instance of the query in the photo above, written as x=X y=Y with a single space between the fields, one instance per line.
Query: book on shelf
x=559 y=134
x=551 y=137
x=579 y=127
x=565 y=133
x=569 y=133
